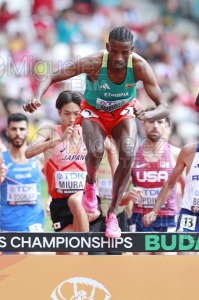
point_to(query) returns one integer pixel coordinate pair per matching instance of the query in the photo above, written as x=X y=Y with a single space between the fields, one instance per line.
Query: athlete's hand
x=48 y=206
x=149 y=218
x=133 y=195
x=139 y=111
x=70 y=131
x=3 y=171
x=32 y=105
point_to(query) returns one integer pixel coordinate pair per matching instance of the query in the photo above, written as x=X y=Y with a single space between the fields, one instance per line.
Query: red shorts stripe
x=107 y=120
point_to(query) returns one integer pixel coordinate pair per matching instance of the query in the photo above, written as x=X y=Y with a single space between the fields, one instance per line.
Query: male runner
x=108 y=109
x=154 y=161
x=65 y=168
x=188 y=220
x=20 y=207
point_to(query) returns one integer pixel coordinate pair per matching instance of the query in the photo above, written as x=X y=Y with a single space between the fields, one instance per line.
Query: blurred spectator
x=43 y=22
x=170 y=13
x=21 y=24
x=68 y=30
x=5 y=15
x=48 y=5
x=83 y=6
x=110 y=3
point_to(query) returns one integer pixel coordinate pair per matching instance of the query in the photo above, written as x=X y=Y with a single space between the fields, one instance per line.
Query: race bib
x=69 y=182
x=128 y=111
x=22 y=194
x=105 y=188
x=188 y=222
x=109 y=106
x=195 y=206
x=149 y=198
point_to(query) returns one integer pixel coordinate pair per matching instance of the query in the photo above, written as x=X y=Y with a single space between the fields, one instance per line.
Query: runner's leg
x=125 y=137
x=94 y=137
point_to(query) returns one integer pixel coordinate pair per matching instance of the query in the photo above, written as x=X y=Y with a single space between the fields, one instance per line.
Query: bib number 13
x=188 y=222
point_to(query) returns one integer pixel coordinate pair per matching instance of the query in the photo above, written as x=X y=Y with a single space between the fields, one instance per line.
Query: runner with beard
x=108 y=109
x=20 y=207
x=153 y=163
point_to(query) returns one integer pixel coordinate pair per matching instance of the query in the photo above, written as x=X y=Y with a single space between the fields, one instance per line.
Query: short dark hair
x=66 y=97
x=121 y=34
x=17 y=117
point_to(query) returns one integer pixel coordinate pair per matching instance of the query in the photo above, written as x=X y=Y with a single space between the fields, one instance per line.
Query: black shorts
x=61 y=215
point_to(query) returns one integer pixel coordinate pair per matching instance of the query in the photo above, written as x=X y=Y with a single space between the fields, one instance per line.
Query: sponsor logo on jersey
x=129 y=85
x=105 y=86
x=141 y=166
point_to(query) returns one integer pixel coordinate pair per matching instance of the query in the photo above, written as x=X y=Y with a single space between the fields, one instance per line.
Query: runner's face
x=119 y=53
x=17 y=133
x=68 y=114
x=155 y=130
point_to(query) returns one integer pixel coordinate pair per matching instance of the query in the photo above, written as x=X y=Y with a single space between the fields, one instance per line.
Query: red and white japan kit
x=66 y=169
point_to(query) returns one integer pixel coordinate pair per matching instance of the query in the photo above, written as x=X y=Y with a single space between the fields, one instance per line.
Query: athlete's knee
x=96 y=150
x=74 y=203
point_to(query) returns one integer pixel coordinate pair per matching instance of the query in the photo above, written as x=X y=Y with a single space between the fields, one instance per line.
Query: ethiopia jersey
x=150 y=177
x=191 y=192
x=66 y=169
x=106 y=95
x=21 y=207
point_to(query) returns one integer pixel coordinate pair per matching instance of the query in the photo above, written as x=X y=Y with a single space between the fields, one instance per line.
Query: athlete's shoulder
x=190 y=148
x=142 y=69
x=46 y=128
x=4 y=154
x=94 y=57
x=138 y=60
x=187 y=152
x=90 y=64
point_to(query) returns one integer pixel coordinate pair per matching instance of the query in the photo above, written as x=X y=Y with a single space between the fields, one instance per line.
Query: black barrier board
x=97 y=242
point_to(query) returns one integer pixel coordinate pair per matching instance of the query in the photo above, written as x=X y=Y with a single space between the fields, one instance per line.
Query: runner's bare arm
x=42 y=142
x=143 y=72
x=197 y=101
x=3 y=169
x=175 y=151
x=88 y=65
x=167 y=188
x=47 y=138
